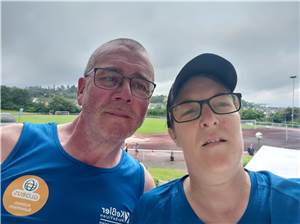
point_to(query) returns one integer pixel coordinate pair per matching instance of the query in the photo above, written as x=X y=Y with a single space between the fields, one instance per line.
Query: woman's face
x=213 y=143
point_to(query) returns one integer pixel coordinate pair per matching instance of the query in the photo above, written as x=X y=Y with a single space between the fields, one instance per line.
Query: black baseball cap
x=208 y=64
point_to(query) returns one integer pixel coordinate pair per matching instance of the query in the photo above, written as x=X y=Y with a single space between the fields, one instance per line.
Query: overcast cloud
x=50 y=43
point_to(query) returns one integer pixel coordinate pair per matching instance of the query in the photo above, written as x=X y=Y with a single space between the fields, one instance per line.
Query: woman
x=203 y=120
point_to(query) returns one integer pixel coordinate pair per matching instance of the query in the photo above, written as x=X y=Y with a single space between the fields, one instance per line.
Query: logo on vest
x=113 y=215
x=25 y=196
x=29 y=186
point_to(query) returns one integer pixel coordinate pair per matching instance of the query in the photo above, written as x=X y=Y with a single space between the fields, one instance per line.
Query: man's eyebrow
x=112 y=68
x=139 y=75
x=119 y=70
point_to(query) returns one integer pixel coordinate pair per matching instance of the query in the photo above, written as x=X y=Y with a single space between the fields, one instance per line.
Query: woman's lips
x=213 y=141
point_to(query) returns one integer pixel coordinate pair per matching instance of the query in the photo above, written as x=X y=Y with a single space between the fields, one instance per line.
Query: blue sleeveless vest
x=41 y=183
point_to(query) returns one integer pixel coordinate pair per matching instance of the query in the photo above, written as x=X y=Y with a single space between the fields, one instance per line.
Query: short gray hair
x=129 y=43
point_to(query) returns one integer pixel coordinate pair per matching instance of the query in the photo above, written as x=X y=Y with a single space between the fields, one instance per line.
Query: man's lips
x=213 y=141
x=119 y=114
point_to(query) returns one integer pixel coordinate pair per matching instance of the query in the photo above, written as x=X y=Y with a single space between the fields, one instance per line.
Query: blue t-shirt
x=42 y=183
x=273 y=199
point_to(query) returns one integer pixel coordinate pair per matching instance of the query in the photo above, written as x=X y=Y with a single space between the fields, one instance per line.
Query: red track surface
x=278 y=137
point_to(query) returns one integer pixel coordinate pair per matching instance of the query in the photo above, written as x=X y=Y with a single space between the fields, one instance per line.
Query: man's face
x=213 y=143
x=115 y=113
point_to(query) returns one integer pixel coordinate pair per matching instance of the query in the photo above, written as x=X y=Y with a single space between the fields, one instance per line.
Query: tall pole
x=293 y=77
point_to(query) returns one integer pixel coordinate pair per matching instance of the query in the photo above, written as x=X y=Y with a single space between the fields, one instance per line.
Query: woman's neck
x=220 y=202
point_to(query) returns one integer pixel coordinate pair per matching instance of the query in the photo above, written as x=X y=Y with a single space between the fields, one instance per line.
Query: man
x=77 y=172
x=203 y=120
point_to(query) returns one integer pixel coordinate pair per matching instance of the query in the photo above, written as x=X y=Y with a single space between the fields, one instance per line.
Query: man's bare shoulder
x=9 y=136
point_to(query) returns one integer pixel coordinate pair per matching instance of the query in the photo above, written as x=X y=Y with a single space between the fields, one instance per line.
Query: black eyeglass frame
x=94 y=70
x=205 y=101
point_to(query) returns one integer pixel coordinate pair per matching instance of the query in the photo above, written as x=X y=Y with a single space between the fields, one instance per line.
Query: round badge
x=25 y=195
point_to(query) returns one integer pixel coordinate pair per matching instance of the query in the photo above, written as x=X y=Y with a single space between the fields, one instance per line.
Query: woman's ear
x=173 y=135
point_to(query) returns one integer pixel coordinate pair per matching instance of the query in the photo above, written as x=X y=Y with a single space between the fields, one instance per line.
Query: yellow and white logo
x=26 y=195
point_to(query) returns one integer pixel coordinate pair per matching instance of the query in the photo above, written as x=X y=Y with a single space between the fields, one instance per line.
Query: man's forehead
x=115 y=50
x=118 y=55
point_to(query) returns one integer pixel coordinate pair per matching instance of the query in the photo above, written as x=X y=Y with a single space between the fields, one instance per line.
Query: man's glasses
x=223 y=103
x=107 y=78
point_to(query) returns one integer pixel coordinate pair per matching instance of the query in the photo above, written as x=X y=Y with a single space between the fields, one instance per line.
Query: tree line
x=39 y=100
x=63 y=98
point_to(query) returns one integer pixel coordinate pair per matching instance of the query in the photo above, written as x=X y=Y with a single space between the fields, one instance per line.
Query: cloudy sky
x=49 y=43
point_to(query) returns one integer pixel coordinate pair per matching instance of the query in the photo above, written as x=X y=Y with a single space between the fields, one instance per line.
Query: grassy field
x=153 y=125
x=59 y=119
x=162 y=175
x=150 y=125
x=246 y=159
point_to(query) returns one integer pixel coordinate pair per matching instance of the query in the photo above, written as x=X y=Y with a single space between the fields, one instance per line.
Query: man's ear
x=80 y=90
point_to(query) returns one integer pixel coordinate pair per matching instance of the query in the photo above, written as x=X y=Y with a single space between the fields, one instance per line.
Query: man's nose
x=123 y=92
x=208 y=118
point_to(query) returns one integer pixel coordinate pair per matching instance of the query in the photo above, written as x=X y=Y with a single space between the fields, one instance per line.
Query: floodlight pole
x=293 y=77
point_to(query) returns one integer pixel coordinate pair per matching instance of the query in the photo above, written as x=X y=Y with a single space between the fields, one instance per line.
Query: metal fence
x=256 y=124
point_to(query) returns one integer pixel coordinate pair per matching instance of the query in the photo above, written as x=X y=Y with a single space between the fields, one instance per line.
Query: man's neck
x=222 y=202
x=89 y=148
